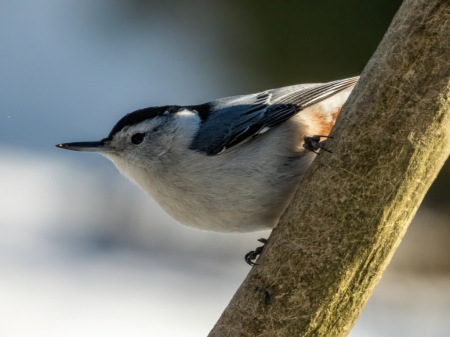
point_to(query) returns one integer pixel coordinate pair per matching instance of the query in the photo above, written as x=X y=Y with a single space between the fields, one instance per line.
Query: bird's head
x=143 y=137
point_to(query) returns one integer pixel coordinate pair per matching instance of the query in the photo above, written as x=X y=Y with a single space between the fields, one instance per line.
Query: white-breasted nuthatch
x=231 y=165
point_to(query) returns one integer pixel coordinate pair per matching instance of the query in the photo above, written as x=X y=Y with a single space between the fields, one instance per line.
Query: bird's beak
x=85 y=146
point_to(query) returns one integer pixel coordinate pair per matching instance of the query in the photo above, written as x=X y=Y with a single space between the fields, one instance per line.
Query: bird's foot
x=251 y=256
x=313 y=143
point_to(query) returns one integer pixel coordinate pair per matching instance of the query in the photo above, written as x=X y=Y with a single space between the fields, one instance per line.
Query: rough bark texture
x=353 y=207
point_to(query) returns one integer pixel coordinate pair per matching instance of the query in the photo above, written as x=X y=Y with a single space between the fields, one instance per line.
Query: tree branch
x=353 y=207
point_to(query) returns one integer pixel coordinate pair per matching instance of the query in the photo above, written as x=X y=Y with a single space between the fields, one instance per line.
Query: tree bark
x=353 y=206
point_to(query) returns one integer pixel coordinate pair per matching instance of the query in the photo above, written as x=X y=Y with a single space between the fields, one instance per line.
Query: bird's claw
x=313 y=143
x=253 y=255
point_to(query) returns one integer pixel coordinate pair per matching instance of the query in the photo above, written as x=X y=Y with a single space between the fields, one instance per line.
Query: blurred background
x=83 y=252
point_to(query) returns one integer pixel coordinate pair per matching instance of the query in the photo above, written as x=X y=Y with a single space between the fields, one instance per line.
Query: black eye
x=137 y=138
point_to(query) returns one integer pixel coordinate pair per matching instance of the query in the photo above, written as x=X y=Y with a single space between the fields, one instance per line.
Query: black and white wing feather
x=234 y=120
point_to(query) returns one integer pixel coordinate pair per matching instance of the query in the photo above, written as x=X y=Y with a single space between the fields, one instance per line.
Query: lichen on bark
x=353 y=206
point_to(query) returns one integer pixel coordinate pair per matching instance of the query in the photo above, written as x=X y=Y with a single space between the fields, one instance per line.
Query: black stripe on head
x=141 y=115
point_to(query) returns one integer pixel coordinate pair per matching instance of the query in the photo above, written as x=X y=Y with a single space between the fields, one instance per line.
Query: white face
x=145 y=144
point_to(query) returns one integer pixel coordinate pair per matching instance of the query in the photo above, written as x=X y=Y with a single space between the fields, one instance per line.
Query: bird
x=229 y=165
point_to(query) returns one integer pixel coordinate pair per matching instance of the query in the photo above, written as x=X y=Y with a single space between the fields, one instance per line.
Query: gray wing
x=234 y=120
